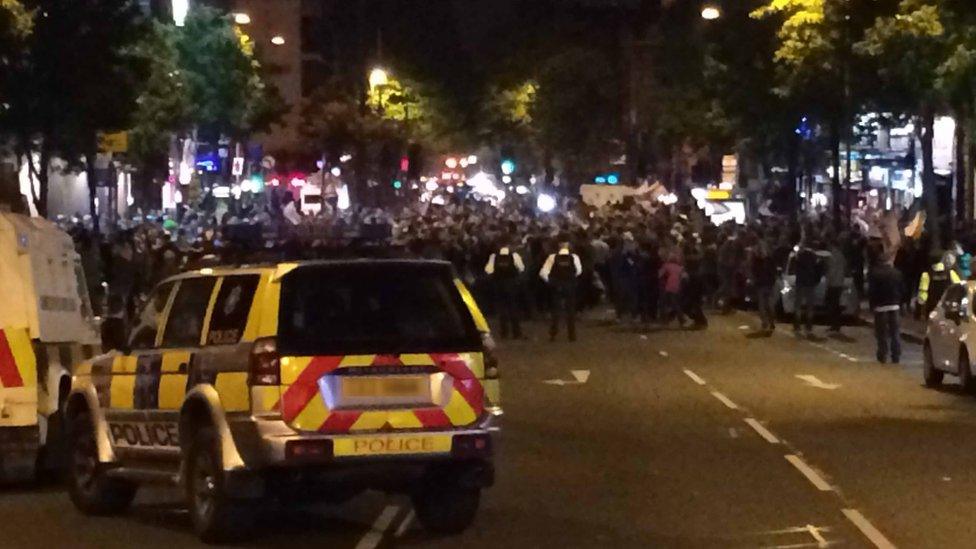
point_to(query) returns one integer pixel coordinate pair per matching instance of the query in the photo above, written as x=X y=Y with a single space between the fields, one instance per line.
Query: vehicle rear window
x=372 y=309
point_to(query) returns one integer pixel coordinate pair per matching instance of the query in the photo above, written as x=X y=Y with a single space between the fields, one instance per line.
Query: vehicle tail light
x=308 y=449
x=491 y=360
x=471 y=446
x=265 y=367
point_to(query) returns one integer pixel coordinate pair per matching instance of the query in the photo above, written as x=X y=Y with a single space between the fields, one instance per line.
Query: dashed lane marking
x=725 y=400
x=694 y=377
x=864 y=525
x=406 y=524
x=763 y=432
x=373 y=538
x=818 y=482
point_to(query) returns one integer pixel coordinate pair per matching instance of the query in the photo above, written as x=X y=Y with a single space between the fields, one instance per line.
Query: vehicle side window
x=229 y=316
x=185 y=322
x=144 y=336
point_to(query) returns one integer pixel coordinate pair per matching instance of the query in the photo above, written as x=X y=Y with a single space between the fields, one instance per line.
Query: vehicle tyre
x=933 y=377
x=91 y=491
x=966 y=373
x=447 y=508
x=216 y=517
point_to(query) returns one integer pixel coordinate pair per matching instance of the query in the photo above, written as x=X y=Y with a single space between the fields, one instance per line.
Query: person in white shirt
x=560 y=271
x=505 y=268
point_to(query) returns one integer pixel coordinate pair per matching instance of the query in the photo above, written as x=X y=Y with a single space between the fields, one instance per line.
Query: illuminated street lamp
x=710 y=12
x=278 y=40
x=180 y=8
x=242 y=18
x=451 y=163
x=378 y=77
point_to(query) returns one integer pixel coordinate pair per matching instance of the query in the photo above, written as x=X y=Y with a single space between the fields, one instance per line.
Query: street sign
x=238 y=167
x=117 y=142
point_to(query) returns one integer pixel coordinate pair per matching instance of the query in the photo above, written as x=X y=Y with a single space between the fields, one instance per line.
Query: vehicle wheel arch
x=85 y=401
x=202 y=408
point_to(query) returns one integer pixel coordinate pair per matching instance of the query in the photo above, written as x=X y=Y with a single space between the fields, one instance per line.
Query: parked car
x=948 y=336
x=786 y=288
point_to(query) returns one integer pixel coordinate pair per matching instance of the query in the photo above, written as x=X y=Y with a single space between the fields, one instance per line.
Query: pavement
x=662 y=438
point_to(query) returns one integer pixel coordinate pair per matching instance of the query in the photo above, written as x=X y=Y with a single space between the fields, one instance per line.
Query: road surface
x=664 y=438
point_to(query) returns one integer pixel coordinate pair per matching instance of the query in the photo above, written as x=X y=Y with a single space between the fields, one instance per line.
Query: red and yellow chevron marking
x=302 y=406
x=17 y=360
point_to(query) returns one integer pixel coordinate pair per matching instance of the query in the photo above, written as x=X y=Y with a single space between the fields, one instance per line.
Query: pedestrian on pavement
x=836 y=276
x=808 y=276
x=933 y=283
x=561 y=271
x=505 y=267
x=764 y=274
x=885 y=284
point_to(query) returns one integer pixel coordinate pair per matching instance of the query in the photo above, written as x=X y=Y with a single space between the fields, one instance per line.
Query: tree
x=225 y=81
x=204 y=80
x=163 y=109
x=911 y=45
x=575 y=112
x=77 y=76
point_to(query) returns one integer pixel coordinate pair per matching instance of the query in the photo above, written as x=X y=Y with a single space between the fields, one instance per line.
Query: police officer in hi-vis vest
x=561 y=270
x=505 y=267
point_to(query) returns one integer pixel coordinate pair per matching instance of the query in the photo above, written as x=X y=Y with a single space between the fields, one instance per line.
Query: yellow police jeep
x=319 y=379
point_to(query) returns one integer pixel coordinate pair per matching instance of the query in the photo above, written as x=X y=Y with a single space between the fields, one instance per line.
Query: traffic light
x=397 y=184
x=508 y=166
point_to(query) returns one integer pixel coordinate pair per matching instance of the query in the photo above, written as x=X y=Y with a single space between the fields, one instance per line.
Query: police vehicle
x=948 y=336
x=316 y=379
x=46 y=326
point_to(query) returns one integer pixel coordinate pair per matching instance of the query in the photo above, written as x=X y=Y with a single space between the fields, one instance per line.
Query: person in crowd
x=693 y=290
x=764 y=274
x=561 y=272
x=505 y=268
x=885 y=284
x=671 y=276
x=728 y=262
x=933 y=282
x=808 y=276
x=836 y=278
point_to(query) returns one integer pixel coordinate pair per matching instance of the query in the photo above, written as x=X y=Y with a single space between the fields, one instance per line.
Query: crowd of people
x=661 y=264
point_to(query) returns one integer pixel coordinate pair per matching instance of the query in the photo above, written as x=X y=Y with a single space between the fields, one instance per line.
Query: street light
x=278 y=40
x=710 y=13
x=378 y=77
x=242 y=18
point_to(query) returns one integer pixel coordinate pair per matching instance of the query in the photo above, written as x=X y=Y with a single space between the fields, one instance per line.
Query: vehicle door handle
x=182 y=368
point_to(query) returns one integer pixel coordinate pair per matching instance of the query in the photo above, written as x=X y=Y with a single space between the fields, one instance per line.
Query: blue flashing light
x=600 y=179
x=613 y=179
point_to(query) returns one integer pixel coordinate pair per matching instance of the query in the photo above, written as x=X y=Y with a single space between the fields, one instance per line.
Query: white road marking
x=743 y=327
x=818 y=482
x=864 y=525
x=581 y=375
x=694 y=377
x=663 y=353
x=814 y=381
x=406 y=524
x=373 y=538
x=763 y=432
x=815 y=532
x=733 y=433
x=725 y=400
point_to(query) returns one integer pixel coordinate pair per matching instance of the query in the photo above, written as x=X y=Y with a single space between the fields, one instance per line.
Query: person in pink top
x=671 y=275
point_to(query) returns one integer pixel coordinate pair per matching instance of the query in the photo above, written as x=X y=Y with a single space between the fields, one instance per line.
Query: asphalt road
x=676 y=439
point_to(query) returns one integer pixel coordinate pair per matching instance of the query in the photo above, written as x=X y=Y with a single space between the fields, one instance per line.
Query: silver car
x=948 y=335
x=786 y=287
